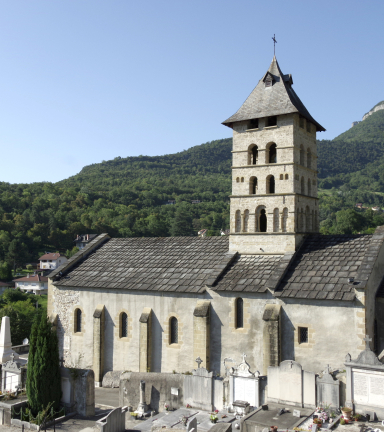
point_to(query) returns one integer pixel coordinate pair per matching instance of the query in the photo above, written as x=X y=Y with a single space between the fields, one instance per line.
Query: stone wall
x=225 y=339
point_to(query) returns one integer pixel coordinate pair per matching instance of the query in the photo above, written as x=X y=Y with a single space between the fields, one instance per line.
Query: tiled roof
x=50 y=256
x=35 y=278
x=322 y=266
x=278 y=99
x=181 y=264
x=248 y=273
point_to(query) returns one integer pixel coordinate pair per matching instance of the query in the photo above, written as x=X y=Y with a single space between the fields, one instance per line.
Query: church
x=274 y=289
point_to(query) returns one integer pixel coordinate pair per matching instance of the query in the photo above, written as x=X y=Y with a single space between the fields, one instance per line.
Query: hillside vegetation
x=129 y=196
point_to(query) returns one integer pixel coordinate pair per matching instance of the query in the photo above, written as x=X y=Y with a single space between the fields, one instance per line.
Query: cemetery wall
x=225 y=340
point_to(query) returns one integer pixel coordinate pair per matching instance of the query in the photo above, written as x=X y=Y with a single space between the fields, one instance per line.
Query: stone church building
x=274 y=288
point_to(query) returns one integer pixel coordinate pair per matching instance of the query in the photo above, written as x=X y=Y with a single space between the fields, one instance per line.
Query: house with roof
x=274 y=288
x=82 y=240
x=35 y=284
x=5 y=285
x=51 y=260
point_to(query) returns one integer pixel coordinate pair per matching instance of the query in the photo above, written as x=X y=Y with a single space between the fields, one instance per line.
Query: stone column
x=269 y=221
x=201 y=332
x=98 y=344
x=143 y=408
x=251 y=222
x=242 y=222
x=271 y=336
x=145 y=353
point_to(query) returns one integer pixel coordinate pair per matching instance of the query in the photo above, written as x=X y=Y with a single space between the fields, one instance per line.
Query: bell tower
x=274 y=169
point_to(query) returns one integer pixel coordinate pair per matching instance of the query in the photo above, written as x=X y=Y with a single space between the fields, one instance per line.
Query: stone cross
x=198 y=361
x=367 y=339
x=12 y=357
x=244 y=355
x=327 y=369
x=61 y=362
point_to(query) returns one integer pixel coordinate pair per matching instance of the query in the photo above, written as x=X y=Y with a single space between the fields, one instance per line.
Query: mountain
x=131 y=196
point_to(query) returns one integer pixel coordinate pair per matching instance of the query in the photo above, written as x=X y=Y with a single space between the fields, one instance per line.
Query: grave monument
x=365 y=383
x=5 y=341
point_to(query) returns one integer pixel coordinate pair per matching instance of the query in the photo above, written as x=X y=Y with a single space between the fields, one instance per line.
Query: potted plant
x=332 y=416
x=347 y=413
x=318 y=422
x=357 y=417
x=166 y=407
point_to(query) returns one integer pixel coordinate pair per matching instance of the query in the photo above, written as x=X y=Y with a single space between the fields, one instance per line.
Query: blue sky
x=83 y=81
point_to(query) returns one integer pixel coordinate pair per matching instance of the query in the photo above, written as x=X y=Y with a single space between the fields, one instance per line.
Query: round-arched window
x=124 y=325
x=78 y=325
x=174 y=331
x=239 y=313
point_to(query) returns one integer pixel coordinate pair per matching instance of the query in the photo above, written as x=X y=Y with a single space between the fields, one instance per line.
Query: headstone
x=192 y=424
x=365 y=382
x=328 y=389
x=244 y=385
x=285 y=383
x=296 y=413
x=198 y=389
x=5 y=341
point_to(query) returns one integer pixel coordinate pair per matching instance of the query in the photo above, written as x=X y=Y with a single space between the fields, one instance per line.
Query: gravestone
x=328 y=389
x=289 y=384
x=198 y=388
x=365 y=382
x=244 y=385
x=13 y=375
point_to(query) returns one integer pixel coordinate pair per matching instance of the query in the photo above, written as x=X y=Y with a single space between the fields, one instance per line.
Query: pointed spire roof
x=277 y=99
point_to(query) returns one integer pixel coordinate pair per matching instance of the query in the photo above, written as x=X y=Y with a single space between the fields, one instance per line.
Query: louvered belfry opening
x=239 y=313
x=174 y=327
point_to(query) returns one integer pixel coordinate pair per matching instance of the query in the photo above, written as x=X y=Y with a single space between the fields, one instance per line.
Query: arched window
x=271 y=184
x=260 y=219
x=237 y=221
x=237 y=179
x=263 y=221
x=309 y=158
x=174 y=331
x=302 y=186
x=302 y=155
x=284 y=220
x=123 y=325
x=78 y=326
x=307 y=219
x=246 y=219
x=253 y=185
x=239 y=313
x=276 y=220
x=309 y=190
x=286 y=176
x=272 y=153
x=281 y=176
x=253 y=154
x=242 y=179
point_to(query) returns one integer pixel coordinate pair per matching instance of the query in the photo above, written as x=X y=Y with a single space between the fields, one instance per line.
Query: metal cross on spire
x=274 y=44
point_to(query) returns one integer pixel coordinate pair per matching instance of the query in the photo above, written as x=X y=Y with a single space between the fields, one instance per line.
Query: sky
x=82 y=81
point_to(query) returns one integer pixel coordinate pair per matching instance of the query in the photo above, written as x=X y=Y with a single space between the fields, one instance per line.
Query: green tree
x=348 y=221
x=181 y=224
x=43 y=373
x=5 y=271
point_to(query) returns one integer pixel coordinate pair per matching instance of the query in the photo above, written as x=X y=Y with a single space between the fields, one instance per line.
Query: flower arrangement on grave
x=188 y=406
x=166 y=406
x=213 y=418
x=184 y=420
x=134 y=414
x=357 y=417
x=317 y=421
x=347 y=413
x=216 y=411
x=323 y=416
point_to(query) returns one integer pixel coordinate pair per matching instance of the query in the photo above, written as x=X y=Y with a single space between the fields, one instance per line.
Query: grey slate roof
x=270 y=101
x=318 y=270
x=178 y=264
x=248 y=273
x=322 y=266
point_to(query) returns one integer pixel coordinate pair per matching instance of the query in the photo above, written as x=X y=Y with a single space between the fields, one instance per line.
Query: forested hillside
x=129 y=196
